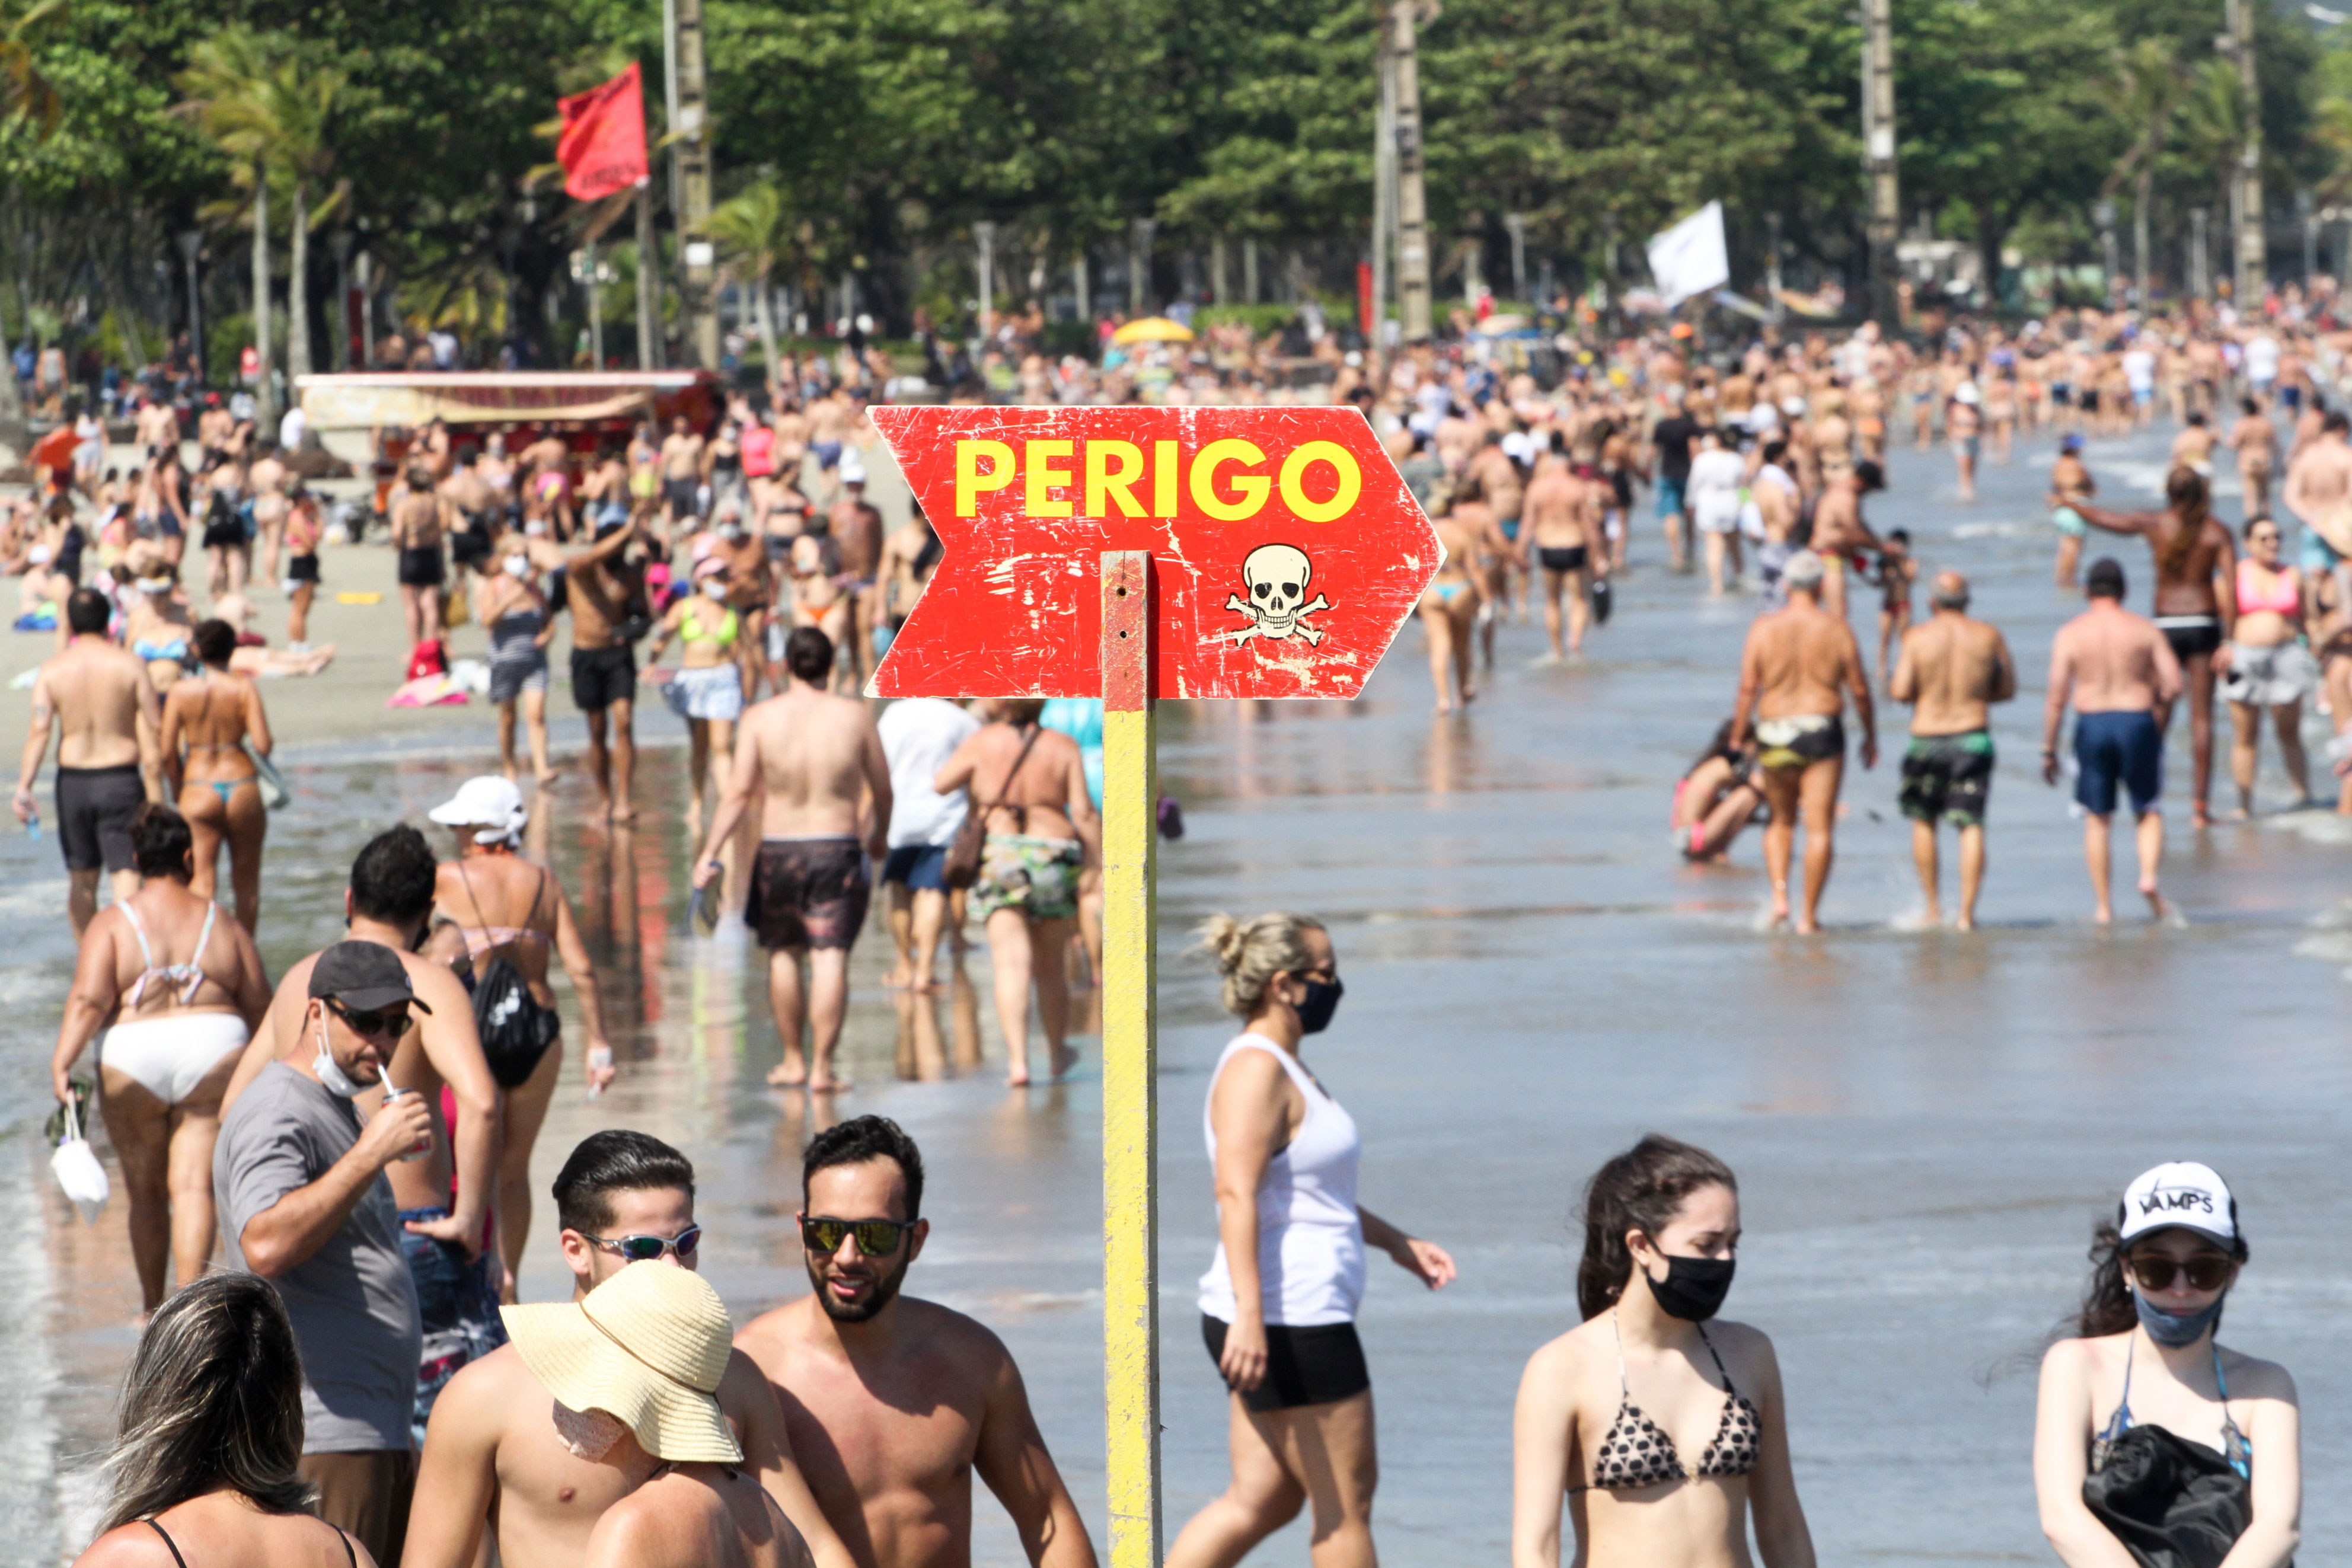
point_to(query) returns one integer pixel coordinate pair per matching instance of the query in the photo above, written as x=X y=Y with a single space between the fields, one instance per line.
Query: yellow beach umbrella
x=1153 y=329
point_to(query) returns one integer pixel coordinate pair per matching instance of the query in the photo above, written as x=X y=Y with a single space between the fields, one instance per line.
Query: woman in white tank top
x=1278 y=1303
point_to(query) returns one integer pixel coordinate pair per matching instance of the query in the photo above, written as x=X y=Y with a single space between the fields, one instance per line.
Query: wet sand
x=1925 y=1124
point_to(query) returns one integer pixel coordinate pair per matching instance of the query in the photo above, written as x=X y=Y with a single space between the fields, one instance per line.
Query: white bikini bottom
x=170 y=1056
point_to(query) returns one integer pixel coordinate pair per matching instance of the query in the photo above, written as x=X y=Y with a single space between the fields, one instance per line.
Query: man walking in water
x=817 y=763
x=101 y=701
x=2319 y=492
x=2118 y=670
x=893 y=1404
x=601 y=586
x=1800 y=665
x=1952 y=670
x=1563 y=528
x=1839 y=532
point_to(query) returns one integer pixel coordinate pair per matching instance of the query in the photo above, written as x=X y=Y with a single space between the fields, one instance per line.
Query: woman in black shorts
x=1279 y=1304
x=2191 y=547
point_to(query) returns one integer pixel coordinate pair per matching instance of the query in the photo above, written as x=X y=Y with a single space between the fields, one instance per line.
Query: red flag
x=602 y=147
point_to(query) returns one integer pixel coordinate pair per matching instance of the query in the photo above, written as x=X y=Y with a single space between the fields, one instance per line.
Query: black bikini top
x=1636 y=1451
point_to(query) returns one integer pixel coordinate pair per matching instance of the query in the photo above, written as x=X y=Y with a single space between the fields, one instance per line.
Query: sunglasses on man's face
x=2157 y=1270
x=384 y=1023
x=875 y=1237
x=645 y=1249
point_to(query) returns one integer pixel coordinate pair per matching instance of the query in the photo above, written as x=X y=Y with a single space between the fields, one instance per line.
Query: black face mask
x=1693 y=1288
x=1322 y=1001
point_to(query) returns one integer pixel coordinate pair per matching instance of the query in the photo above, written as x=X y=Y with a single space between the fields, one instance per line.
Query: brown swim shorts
x=808 y=893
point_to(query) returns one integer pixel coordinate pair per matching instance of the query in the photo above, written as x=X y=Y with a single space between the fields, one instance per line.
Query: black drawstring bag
x=2172 y=1504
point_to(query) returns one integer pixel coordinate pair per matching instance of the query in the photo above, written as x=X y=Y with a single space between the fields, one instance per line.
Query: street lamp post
x=984 y=232
x=2310 y=239
x=192 y=244
x=1772 y=267
x=1518 y=224
x=2200 y=278
x=1138 y=263
x=2104 y=214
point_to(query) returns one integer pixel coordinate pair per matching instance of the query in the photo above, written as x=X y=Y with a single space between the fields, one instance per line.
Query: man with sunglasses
x=499 y=1447
x=305 y=1204
x=894 y=1402
x=457 y=1273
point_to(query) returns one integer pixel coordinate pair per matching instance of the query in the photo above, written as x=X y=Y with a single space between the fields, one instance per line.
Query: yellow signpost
x=1131 y=1061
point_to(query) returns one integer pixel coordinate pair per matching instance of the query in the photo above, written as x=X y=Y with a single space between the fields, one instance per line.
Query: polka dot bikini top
x=1636 y=1451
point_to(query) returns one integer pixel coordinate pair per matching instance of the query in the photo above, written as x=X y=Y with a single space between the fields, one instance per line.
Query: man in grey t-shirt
x=306 y=1206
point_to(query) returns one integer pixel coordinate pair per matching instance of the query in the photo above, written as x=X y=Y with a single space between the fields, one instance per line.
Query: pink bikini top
x=2285 y=596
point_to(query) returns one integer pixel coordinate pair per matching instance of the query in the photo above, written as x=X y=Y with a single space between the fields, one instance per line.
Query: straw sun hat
x=647 y=1347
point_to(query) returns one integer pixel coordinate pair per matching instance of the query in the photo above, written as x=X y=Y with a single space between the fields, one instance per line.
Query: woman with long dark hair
x=1664 y=1429
x=203 y=1470
x=2151 y=1443
x=2193 y=554
x=208 y=724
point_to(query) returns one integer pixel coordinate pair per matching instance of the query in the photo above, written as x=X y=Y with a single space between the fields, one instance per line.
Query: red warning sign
x=1285 y=550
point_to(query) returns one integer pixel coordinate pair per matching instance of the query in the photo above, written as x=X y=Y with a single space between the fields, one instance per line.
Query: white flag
x=1689 y=258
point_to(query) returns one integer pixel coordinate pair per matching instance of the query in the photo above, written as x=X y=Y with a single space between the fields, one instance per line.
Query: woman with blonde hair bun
x=1278 y=1303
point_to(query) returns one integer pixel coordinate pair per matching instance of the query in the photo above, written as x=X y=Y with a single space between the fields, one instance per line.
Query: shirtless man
x=1496 y=466
x=2119 y=671
x=1951 y=670
x=856 y=529
x=1800 y=664
x=682 y=473
x=892 y=1402
x=495 y=1450
x=2319 y=492
x=2194 y=445
x=158 y=427
x=2255 y=441
x=267 y=478
x=419 y=518
x=389 y=901
x=816 y=760
x=600 y=584
x=751 y=587
x=1563 y=514
x=109 y=719
x=476 y=506
x=1840 y=535
x=829 y=421
x=2070 y=481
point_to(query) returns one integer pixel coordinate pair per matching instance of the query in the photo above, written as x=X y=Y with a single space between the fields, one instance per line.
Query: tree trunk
x=649 y=321
x=264 y=393
x=1991 y=232
x=2142 y=195
x=298 y=292
x=766 y=318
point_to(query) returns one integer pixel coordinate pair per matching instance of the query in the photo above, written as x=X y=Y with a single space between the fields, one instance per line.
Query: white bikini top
x=191 y=972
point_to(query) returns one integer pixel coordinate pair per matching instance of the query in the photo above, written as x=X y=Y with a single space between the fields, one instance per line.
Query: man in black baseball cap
x=305 y=1204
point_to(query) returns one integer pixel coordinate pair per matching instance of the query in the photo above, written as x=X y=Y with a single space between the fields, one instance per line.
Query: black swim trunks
x=1570 y=560
x=95 y=806
x=2191 y=634
x=470 y=546
x=1946 y=777
x=602 y=677
x=1800 y=740
x=422 y=567
x=808 y=893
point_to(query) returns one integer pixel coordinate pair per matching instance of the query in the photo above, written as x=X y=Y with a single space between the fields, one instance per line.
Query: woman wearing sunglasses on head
x=1664 y=1431
x=2153 y=1445
x=1279 y=1304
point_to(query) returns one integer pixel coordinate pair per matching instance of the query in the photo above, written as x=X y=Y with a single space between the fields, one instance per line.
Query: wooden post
x=1131 y=1115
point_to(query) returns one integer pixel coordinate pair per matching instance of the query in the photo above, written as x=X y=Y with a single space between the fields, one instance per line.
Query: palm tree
x=2152 y=84
x=27 y=95
x=25 y=92
x=304 y=99
x=232 y=93
x=755 y=231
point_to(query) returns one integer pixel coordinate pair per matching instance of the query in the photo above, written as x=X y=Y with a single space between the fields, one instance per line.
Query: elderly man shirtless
x=1800 y=664
x=1952 y=670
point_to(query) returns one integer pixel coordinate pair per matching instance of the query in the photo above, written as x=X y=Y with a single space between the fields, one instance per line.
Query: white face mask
x=331 y=1076
x=587 y=1434
x=715 y=589
x=517 y=566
